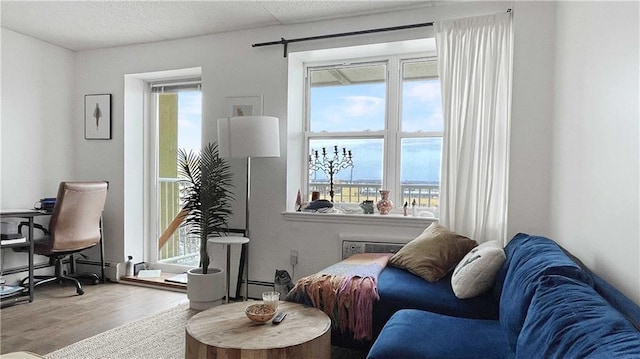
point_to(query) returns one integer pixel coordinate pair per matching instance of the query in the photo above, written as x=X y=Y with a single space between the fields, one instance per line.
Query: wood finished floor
x=58 y=316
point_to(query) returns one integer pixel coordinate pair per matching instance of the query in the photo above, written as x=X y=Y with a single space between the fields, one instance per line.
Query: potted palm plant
x=206 y=207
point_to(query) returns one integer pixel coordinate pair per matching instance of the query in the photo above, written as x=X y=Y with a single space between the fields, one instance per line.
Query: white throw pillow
x=476 y=272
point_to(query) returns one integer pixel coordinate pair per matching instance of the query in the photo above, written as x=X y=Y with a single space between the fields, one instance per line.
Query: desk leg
x=228 y=270
x=31 y=254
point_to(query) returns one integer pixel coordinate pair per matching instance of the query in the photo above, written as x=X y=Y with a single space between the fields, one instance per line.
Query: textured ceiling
x=84 y=25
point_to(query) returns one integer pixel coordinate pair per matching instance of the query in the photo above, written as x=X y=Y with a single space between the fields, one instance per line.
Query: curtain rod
x=286 y=42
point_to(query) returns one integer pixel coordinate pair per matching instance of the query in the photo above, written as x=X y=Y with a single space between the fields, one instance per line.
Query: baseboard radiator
x=112 y=271
x=353 y=244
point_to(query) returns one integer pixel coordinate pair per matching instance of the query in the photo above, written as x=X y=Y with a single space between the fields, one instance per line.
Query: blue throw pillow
x=568 y=319
x=529 y=258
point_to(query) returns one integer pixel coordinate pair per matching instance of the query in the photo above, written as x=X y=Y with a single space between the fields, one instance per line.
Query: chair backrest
x=75 y=221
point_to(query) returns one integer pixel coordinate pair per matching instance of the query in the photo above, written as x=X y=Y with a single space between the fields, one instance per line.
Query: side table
x=228 y=241
x=226 y=332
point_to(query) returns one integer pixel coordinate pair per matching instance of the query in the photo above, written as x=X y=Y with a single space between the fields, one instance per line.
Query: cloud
x=423 y=91
x=357 y=106
x=433 y=122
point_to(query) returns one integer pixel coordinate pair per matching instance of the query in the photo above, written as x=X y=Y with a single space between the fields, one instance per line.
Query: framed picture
x=244 y=106
x=97 y=117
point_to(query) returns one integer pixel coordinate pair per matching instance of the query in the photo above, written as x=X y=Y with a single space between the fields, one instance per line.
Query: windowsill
x=364 y=219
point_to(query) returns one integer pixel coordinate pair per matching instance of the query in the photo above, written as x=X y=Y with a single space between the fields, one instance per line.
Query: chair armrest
x=35 y=226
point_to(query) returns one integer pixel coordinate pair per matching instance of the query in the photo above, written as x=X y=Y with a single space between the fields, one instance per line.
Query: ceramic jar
x=367 y=206
x=384 y=205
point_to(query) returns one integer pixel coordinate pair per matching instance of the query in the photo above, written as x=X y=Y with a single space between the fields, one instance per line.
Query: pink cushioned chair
x=75 y=225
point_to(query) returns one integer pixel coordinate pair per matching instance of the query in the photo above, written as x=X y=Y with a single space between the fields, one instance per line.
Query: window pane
x=190 y=120
x=351 y=184
x=348 y=98
x=179 y=116
x=420 y=170
x=421 y=97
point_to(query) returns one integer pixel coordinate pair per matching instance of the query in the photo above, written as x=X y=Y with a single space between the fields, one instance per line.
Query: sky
x=362 y=107
x=190 y=120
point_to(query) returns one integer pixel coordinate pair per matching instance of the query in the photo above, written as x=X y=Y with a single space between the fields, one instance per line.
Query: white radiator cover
x=112 y=271
x=353 y=244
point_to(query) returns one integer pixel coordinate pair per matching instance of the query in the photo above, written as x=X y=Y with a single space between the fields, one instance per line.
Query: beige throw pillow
x=477 y=271
x=433 y=253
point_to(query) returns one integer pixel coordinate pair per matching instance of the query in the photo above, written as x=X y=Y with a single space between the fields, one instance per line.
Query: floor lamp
x=248 y=137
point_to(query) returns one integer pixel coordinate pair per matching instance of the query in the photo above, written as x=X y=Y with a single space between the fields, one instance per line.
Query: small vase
x=384 y=205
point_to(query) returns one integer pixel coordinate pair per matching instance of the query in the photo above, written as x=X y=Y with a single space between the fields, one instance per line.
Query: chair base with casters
x=60 y=276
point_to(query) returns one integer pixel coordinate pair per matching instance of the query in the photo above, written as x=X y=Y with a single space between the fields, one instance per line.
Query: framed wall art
x=244 y=106
x=97 y=117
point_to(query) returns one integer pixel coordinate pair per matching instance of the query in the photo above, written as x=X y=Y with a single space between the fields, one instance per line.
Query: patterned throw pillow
x=476 y=272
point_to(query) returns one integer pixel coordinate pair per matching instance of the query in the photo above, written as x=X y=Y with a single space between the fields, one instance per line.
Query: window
x=385 y=116
x=176 y=106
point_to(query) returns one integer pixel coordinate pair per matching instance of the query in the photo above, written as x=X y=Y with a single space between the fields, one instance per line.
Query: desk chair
x=75 y=225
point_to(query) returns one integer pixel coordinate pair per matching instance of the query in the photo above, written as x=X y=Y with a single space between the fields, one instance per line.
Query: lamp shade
x=249 y=136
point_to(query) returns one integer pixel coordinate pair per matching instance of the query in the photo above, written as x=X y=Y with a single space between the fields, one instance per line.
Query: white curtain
x=474 y=64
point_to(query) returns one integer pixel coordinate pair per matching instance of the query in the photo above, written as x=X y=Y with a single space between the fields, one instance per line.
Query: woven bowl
x=260 y=313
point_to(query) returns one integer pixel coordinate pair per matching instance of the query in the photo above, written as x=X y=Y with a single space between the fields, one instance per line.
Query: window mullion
x=392 y=141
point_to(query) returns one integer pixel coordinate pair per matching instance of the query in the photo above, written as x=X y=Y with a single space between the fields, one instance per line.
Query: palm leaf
x=206 y=195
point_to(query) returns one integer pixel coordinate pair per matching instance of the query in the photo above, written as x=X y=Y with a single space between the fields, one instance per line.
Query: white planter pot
x=205 y=290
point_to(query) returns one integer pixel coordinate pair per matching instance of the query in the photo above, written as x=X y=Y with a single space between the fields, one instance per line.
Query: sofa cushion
x=399 y=289
x=418 y=334
x=611 y=294
x=433 y=253
x=628 y=308
x=568 y=319
x=528 y=259
x=476 y=272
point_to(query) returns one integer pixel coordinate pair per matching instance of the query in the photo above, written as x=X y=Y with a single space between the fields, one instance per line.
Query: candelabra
x=330 y=165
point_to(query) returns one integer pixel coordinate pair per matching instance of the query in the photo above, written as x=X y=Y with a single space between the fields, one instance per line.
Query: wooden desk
x=28 y=214
x=226 y=332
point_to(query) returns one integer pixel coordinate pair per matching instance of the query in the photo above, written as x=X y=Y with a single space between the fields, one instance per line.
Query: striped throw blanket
x=345 y=291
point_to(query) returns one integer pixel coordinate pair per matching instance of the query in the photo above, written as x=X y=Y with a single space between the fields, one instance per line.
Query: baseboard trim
x=255 y=287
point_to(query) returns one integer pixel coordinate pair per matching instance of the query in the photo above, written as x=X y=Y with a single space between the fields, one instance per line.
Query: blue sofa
x=544 y=304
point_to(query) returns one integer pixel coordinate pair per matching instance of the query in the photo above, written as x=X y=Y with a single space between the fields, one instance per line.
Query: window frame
x=153 y=89
x=392 y=133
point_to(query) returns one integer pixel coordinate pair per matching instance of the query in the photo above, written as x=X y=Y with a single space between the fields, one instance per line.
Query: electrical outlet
x=294 y=257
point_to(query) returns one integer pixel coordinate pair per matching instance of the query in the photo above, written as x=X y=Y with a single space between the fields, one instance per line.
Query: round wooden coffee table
x=226 y=332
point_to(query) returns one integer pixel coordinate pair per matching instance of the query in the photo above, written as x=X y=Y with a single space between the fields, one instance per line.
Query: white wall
x=37 y=136
x=532 y=116
x=595 y=199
